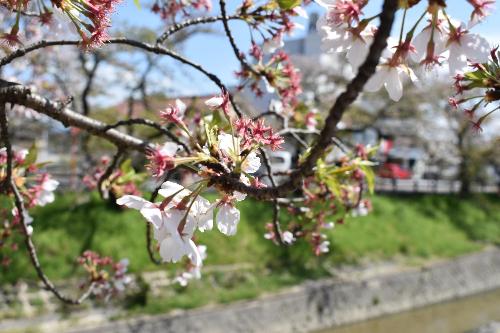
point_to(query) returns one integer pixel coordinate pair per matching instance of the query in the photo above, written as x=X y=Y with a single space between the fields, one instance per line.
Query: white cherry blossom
x=173 y=245
x=181 y=107
x=201 y=211
x=168 y=149
x=230 y=146
x=324 y=247
x=214 y=102
x=335 y=40
x=228 y=218
x=359 y=47
x=288 y=237
x=390 y=77
x=251 y=164
x=46 y=194
x=273 y=44
x=463 y=46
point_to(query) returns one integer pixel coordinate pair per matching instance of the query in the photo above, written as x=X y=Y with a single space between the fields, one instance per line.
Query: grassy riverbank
x=243 y=266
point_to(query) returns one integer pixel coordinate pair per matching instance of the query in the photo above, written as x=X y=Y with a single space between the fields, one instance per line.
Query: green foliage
x=409 y=226
x=288 y=4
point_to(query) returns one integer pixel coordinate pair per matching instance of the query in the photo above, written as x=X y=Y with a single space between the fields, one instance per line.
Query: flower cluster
x=122 y=181
x=91 y=18
x=177 y=217
x=168 y=10
x=334 y=192
x=225 y=144
x=442 y=40
x=255 y=134
x=37 y=189
x=35 y=186
x=106 y=277
x=477 y=89
x=273 y=20
x=279 y=75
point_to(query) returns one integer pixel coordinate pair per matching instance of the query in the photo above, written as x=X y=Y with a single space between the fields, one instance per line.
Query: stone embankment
x=493 y=327
x=353 y=296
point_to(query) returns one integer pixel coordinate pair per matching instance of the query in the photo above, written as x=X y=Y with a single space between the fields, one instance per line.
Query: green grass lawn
x=411 y=226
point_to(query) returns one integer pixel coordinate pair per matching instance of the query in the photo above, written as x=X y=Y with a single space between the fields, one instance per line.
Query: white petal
x=170 y=188
x=228 y=218
x=172 y=249
x=161 y=234
x=420 y=43
x=27 y=218
x=377 y=80
x=358 y=52
x=50 y=185
x=269 y=88
x=288 y=237
x=181 y=106
x=214 y=102
x=169 y=149
x=326 y=3
x=153 y=215
x=476 y=48
x=227 y=143
x=393 y=85
x=202 y=212
x=194 y=254
x=456 y=62
x=239 y=196
x=300 y=12
x=271 y=45
x=132 y=201
x=251 y=164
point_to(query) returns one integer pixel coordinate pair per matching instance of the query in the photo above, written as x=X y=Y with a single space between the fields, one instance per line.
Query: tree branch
x=20 y=95
x=226 y=181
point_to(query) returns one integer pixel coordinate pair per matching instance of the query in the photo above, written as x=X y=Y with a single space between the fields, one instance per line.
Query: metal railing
x=429 y=186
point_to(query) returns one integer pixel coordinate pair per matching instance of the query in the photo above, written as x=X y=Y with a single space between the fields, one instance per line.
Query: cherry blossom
x=28 y=220
x=174 y=113
x=360 y=46
x=161 y=159
x=273 y=44
x=230 y=146
x=173 y=244
x=391 y=78
x=464 y=46
x=482 y=8
x=288 y=237
x=228 y=218
x=430 y=42
x=44 y=192
x=201 y=210
x=219 y=102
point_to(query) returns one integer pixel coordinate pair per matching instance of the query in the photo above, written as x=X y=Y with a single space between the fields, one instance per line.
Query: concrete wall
x=324 y=304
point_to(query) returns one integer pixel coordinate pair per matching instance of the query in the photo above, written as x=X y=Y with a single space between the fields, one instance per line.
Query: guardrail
x=429 y=186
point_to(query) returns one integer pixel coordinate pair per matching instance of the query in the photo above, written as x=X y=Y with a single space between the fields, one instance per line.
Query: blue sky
x=213 y=52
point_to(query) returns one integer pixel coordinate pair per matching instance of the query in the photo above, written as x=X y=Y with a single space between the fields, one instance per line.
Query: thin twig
x=156 y=49
x=237 y=52
x=226 y=181
x=150 y=123
x=21 y=213
x=4 y=186
x=104 y=193
x=276 y=206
